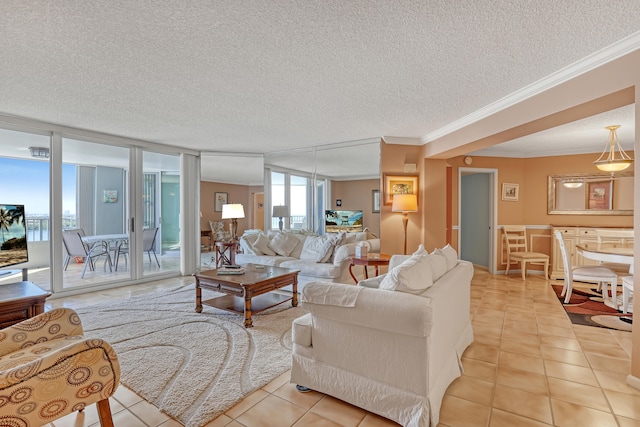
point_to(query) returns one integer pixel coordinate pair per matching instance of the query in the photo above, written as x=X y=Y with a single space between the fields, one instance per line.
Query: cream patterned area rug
x=193 y=366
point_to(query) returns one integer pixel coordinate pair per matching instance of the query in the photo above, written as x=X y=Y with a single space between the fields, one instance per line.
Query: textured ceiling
x=263 y=76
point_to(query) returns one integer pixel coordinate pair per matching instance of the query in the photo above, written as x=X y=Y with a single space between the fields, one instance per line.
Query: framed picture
x=510 y=192
x=599 y=195
x=399 y=184
x=219 y=200
x=110 y=196
x=375 y=201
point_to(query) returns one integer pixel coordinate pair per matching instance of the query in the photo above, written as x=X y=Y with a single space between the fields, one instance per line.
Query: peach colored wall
x=357 y=194
x=236 y=194
x=392 y=161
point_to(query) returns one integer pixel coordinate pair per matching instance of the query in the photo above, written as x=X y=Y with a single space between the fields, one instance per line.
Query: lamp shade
x=280 y=211
x=404 y=203
x=232 y=211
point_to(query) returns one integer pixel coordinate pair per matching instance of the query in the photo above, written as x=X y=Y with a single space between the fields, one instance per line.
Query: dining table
x=108 y=238
x=618 y=255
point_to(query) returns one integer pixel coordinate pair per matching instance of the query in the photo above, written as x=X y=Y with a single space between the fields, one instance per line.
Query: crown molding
x=617 y=50
x=400 y=140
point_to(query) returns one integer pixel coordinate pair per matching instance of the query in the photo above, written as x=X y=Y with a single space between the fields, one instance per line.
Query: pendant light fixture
x=613 y=162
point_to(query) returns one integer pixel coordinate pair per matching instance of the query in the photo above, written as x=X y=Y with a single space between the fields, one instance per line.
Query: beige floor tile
x=305 y=400
x=564 y=355
x=276 y=383
x=600 y=349
x=524 y=403
x=271 y=411
x=609 y=364
x=626 y=405
x=339 y=411
x=149 y=413
x=479 y=369
x=373 y=420
x=521 y=348
x=558 y=342
x=521 y=362
x=221 y=421
x=472 y=389
x=580 y=394
x=126 y=418
x=628 y=422
x=522 y=380
x=566 y=414
x=247 y=403
x=482 y=352
x=126 y=396
x=314 y=420
x=565 y=371
x=615 y=381
x=505 y=419
x=456 y=412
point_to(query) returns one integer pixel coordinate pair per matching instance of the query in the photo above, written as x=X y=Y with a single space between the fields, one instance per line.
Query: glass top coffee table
x=249 y=292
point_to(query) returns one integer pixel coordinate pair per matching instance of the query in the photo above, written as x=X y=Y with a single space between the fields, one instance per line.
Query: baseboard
x=633 y=381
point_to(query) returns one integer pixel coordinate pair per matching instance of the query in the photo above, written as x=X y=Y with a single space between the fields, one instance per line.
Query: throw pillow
x=421 y=250
x=283 y=243
x=438 y=265
x=413 y=276
x=261 y=245
x=316 y=248
x=246 y=244
x=450 y=255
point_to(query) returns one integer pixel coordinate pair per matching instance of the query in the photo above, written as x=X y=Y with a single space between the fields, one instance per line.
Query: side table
x=226 y=253
x=374 y=260
x=20 y=301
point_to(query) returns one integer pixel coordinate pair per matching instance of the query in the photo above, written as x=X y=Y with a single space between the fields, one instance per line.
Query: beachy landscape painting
x=13 y=235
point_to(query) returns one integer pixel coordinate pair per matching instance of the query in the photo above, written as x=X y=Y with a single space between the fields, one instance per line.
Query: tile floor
x=528 y=366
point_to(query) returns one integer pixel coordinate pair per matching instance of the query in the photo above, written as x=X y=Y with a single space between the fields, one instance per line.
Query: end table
x=374 y=260
x=226 y=253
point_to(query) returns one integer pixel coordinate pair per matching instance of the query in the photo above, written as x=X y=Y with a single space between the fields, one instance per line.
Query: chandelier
x=613 y=162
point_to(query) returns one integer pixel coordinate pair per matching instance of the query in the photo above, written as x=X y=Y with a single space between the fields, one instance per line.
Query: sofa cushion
x=438 y=264
x=283 y=243
x=261 y=246
x=246 y=243
x=316 y=249
x=450 y=255
x=320 y=271
x=274 y=261
x=297 y=251
x=412 y=276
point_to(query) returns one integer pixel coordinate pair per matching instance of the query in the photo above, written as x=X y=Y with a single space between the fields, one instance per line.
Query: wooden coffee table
x=247 y=293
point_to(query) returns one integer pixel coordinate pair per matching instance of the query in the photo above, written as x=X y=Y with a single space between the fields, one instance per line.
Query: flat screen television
x=13 y=235
x=347 y=220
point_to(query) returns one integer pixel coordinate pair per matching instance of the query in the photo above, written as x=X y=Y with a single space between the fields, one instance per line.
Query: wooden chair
x=615 y=238
x=518 y=251
x=48 y=369
x=583 y=273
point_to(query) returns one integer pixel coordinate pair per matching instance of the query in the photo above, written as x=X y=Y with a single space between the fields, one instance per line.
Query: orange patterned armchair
x=48 y=369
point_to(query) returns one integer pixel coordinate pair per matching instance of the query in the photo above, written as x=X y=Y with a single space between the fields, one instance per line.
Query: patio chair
x=149 y=242
x=122 y=249
x=75 y=247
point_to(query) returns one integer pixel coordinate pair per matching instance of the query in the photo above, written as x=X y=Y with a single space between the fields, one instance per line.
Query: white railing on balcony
x=38 y=227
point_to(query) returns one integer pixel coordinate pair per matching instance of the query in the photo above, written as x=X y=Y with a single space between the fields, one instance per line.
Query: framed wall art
x=510 y=192
x=219 y=200
x=399 y=184
x=375 y=201
x=599 y=195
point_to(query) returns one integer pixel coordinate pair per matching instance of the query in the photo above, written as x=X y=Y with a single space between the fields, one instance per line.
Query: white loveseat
x=318 y=258
x=391 y=352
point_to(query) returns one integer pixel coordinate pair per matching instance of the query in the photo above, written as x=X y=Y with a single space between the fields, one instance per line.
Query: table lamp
x=233 y=211
x=280 y=212
x=405 y=203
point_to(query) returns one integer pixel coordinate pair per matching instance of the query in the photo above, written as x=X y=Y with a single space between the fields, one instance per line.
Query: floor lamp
x=280 y=212
x=233 y=211
x=405 y=203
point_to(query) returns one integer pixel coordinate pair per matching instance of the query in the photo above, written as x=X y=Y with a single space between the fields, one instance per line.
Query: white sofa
x=318 y=258
x=391 y=352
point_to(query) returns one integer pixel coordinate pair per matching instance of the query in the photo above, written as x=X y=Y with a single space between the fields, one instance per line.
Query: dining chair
x=149 y=242
x=627 y=292
x=583 y=273
x=122 y=249
x=615 y=238
x=518 y=250
x=75 y=247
